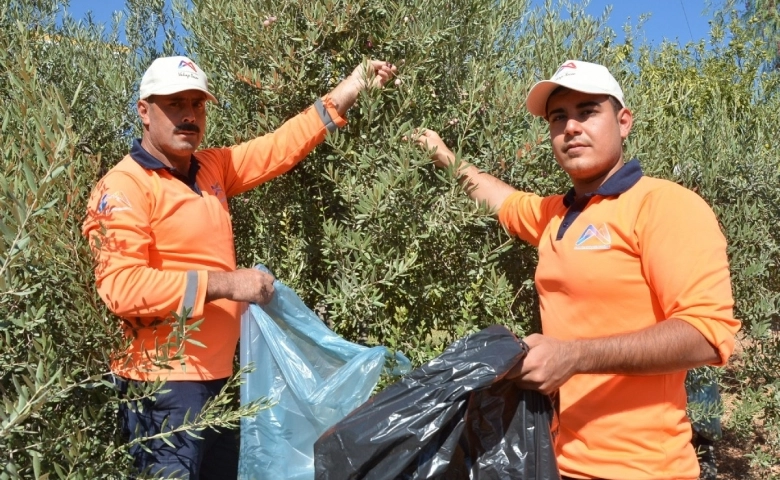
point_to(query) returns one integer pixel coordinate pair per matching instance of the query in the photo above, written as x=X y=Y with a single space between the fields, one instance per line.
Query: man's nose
x=188 y=114
x=573 y=127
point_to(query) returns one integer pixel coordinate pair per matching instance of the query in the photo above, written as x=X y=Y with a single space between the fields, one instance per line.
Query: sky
x=680 y=21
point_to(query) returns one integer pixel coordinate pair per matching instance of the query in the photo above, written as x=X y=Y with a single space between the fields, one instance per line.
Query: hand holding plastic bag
x=453 y=418
x=313 y=376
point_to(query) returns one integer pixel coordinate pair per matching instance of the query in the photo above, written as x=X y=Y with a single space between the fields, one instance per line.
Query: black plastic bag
x=452 y=418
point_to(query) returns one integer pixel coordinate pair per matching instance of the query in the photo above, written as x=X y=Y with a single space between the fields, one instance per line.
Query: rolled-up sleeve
x=526 y=215
x=684 y=259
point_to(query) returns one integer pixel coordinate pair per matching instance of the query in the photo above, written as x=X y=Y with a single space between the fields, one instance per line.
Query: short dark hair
x=616 y=105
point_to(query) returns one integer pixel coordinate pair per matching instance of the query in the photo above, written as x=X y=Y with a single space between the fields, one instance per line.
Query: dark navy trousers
x=212 y=456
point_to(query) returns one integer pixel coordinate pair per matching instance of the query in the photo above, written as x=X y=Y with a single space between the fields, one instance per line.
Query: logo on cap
x=566 y=65
x=185 y=63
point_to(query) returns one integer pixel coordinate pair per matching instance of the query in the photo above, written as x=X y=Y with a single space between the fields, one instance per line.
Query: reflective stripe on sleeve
x=190 y=293
x=325 y=116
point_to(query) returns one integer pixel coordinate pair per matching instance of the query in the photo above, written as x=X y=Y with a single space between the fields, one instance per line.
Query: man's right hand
x=439 y=152
x=480 y=186
x=243 y=285
x=369 y=74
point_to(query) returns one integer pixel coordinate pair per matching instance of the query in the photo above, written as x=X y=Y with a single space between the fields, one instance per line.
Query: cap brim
x=171 y=89
x=536 y=102
x=537 y=99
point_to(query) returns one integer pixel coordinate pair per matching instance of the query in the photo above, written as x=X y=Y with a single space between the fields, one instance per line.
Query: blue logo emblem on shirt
x=218 y=192
x=113 y=202
x=594 y=239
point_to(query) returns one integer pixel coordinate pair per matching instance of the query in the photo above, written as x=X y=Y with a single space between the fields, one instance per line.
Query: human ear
x=626 y=120
x=143 y=111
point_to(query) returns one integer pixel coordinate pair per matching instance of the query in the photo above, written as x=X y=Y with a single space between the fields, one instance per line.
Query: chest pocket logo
x=219 y=193
x=113 y=202
x=594 y=239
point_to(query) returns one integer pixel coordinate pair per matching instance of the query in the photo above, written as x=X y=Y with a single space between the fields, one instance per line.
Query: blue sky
x=676 y=20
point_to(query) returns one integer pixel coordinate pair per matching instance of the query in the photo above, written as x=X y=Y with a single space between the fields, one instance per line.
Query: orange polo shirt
x=156 y=234
x=636 y=252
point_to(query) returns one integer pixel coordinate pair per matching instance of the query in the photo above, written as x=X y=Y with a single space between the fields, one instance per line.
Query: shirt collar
x=149 y=162
x=622 y=180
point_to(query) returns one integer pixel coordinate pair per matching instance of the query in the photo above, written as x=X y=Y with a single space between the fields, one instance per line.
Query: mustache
x=187 y=127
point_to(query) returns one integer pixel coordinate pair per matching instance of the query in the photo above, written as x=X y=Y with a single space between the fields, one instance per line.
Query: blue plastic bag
x=704 y=403
x=313 y=376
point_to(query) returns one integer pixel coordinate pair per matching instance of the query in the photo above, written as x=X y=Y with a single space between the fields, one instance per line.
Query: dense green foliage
x=385 y=247
x=763 y=18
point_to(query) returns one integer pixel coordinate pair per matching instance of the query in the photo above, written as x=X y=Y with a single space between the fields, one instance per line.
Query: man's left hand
x=548 y=364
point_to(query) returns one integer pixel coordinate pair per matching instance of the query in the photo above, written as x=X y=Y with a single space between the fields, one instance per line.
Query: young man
x=633 y=284
x=162 y=237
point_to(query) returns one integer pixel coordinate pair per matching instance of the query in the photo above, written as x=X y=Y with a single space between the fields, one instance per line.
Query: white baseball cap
x=169 y=75
x=576 y=75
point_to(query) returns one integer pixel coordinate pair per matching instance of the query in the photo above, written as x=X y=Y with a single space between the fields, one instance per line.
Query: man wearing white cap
x=160 y=229
x=633 y=286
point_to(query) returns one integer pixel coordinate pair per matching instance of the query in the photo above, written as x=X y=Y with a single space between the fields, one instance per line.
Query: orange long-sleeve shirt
x=637 y=252
x=156 y=234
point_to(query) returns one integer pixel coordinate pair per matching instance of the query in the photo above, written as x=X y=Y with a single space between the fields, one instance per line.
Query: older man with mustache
x=160 y=229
